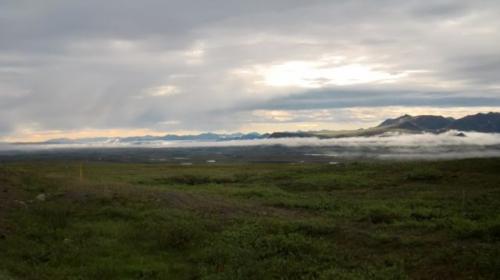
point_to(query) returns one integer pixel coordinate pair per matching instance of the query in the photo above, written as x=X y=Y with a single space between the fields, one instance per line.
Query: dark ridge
x=420 y=123
x=290 y=134
x=489 y=122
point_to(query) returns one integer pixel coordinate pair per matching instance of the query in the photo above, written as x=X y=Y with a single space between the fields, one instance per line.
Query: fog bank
x=390 y=146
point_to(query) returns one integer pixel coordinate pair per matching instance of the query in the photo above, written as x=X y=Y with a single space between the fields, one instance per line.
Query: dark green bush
x=382 y=215
x=424 y=175
x=191 y=179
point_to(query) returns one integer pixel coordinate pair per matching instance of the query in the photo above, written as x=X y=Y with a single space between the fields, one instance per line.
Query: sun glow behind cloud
x=204 y=67
x=307 y=74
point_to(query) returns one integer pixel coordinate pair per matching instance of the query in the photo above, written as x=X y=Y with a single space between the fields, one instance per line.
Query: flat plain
x=70 y=219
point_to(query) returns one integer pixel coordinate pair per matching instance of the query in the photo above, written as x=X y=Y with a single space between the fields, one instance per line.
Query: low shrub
x=382 y=215
x=424 y=175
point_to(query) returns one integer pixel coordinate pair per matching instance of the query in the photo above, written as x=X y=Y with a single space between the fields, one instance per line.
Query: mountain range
x=169 y=137
x=487 y=123
x=482 y=122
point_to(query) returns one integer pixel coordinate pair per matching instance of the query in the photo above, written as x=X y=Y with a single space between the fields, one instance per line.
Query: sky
x=121 y=68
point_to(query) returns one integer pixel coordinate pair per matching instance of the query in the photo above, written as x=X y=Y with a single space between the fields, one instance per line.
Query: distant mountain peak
x=481 y=122
x=421 y=123
x=206 y=136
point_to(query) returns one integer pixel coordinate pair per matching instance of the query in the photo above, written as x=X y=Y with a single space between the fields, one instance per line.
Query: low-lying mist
x=451 y=144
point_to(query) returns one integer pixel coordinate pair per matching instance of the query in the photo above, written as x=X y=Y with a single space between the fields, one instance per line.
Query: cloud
x=389 y=146
x=319 y=74
x=166 y=90
x=208 y=65
x=362 y=97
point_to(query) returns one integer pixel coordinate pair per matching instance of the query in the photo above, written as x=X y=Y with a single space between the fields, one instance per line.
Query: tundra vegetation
x=353 y=220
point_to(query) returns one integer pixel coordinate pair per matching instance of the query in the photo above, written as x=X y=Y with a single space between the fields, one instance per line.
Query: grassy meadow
x=354 y=220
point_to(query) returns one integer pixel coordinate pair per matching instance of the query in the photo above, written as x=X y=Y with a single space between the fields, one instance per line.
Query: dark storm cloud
x=371 y=98
x=441 y=9
x=49 y=24
x=178 y=64
x=480 y=69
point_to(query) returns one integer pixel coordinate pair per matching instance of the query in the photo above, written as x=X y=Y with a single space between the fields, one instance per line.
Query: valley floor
x=354 y=220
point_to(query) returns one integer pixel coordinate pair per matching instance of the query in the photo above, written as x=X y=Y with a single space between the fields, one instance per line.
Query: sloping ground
x=358 y=220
